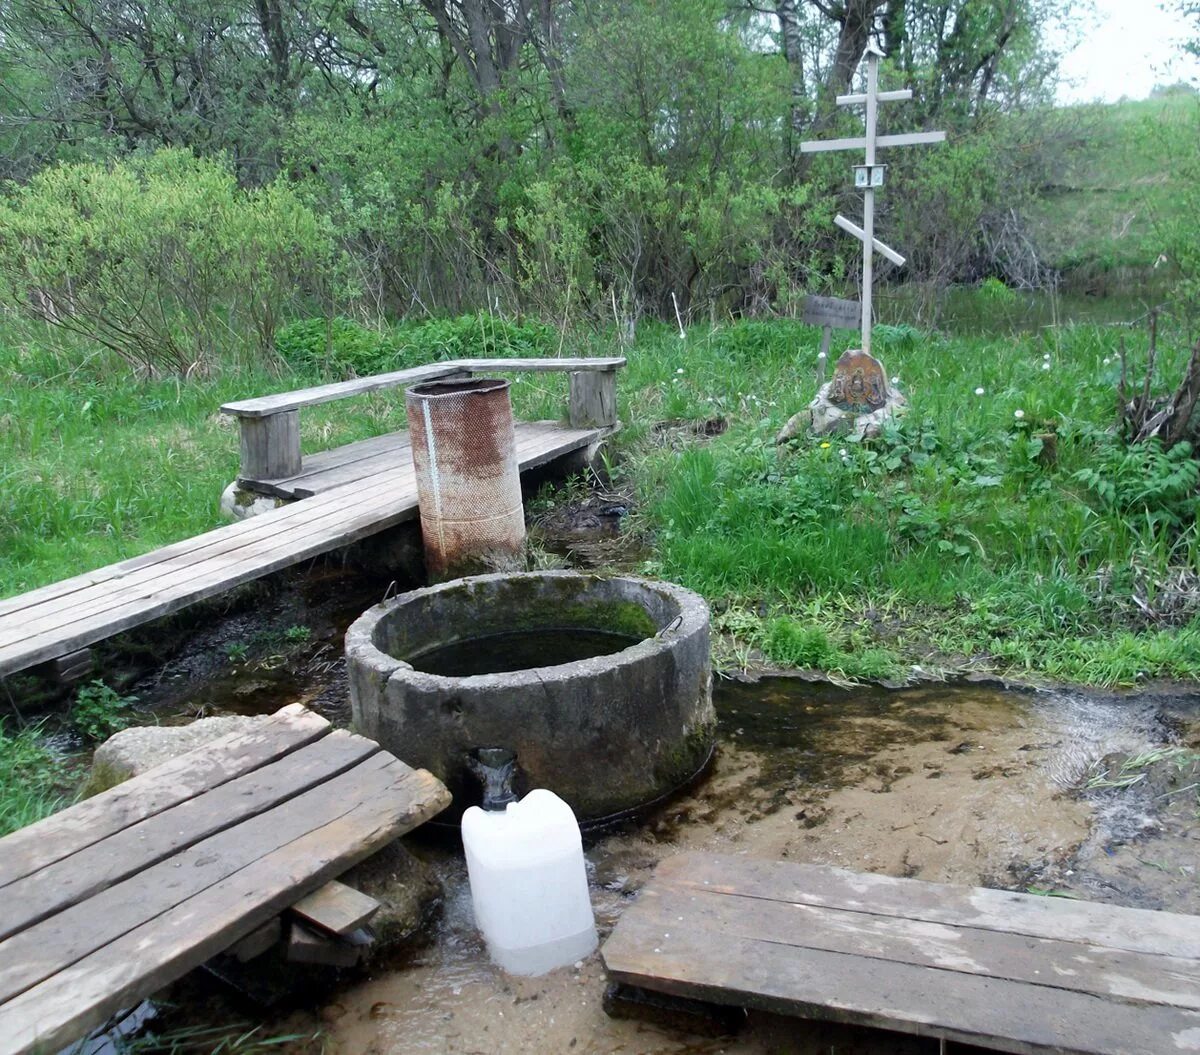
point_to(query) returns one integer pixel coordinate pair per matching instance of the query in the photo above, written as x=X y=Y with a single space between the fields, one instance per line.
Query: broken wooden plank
x=337 y=908
x=167 y=785
x=140 y=961
x=136 y=848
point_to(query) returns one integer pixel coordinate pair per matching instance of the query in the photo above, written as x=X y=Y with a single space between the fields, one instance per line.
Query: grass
x=29 y=785
x=951 y=543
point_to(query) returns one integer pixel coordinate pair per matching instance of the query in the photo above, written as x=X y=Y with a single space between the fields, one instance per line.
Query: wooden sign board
x=831 y=311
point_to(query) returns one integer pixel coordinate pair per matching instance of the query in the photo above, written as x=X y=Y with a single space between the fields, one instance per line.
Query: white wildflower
x=1018 y=414
x=1045 y=366
x=679 y=371
x=979 y=391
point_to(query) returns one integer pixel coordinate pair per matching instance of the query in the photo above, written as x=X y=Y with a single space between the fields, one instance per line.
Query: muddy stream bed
x=1070 y=793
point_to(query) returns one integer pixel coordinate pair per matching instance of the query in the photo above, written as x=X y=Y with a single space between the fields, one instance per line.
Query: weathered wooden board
x=307 y=397
x=87 y=822
x=337 y=467
x=337 y=908
x=79 y=612
x=134 y=849
x=34 y=954
x=346 y=825
x=831 y=311
x=1134 y=929
x=1009 y=972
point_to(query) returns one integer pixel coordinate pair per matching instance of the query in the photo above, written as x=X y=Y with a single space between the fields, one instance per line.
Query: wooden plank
x=117 y=974
x=1132 y=929
x=307 y=397
x=1079 y=965
x=74 y=879
x=270 y=446
x=692 y=961
x=201 y=547
x=897 y=96
x=33 y=955
x=147 y=795
x=27 y=641
x=337 y=908
x=906 y=139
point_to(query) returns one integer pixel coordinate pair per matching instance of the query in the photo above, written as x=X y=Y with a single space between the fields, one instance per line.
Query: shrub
x=99 y=711
x=161 y=258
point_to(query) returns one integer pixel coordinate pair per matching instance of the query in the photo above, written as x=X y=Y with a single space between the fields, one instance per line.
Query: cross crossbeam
x=870 y=176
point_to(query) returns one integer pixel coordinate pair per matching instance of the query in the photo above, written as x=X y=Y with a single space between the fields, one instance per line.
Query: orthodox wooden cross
x=870 y=175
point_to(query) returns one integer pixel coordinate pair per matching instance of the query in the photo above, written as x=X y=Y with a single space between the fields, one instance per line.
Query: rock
x=407 y=888
x=238 y=503
x=133 y=751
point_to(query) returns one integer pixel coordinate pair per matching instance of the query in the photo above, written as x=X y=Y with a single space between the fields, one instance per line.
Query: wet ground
x=1064 y=793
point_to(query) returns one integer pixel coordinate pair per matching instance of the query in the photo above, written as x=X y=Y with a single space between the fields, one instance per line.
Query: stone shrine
x=857 y=401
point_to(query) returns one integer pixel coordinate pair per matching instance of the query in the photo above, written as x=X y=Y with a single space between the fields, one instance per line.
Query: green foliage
x=99 y=711
x=343 y=348
x=29 y=790
x=1142 y=480
x=160 y=258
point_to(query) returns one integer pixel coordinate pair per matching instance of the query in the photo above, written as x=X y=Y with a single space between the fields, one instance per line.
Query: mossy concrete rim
x=690 y=615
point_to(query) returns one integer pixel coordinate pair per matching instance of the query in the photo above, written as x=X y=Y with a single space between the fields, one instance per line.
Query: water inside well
x=519 y=650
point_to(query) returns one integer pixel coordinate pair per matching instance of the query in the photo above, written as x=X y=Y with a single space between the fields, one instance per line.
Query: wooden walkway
x=358 y=490
x=104 y=903
x=1010 y=972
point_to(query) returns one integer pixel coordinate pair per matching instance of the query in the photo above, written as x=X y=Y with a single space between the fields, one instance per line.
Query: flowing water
x=960 y=783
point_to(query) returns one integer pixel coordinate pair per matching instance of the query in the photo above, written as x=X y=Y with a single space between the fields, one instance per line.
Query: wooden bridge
x=347 y=494
x=106 y=902
x=1005 y=971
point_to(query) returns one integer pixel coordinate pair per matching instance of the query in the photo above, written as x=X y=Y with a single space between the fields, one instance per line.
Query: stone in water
x=859 y=383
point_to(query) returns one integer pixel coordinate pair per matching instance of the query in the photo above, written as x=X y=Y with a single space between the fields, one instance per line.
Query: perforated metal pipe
x=468 y=479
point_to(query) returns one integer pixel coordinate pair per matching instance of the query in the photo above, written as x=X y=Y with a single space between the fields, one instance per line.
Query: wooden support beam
x=307 y=946
x=258 y=941
x=592 y=402
x=73 y=667
x=271 y=446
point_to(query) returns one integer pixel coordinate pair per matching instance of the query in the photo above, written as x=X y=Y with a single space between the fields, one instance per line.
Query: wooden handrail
x=266 y=406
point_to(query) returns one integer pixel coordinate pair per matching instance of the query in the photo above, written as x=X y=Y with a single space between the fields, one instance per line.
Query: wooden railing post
x=593 y=399
x=271 y=446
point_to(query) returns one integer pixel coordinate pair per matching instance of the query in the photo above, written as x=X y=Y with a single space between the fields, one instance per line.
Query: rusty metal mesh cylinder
x=468 y=480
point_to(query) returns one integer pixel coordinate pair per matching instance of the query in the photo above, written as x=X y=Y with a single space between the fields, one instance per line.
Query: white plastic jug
x=528 y=883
